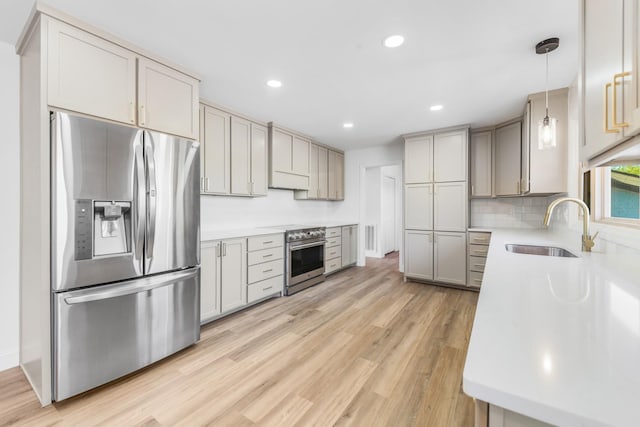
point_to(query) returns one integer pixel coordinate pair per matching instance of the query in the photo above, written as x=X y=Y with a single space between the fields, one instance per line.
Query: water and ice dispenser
x=102 y=228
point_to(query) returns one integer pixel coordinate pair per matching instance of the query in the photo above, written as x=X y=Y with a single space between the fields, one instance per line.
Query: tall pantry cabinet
x=436 y=205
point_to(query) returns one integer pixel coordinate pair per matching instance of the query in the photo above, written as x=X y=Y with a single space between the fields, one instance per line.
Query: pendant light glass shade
x=547 y=133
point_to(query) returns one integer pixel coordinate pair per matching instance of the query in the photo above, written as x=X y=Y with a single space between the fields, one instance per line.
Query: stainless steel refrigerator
x=125 y=275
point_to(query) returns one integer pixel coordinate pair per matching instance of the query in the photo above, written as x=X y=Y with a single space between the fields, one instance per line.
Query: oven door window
x=306 y=260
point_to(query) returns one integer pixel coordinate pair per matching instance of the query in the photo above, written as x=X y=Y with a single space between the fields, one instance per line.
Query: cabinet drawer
x=263 y=242
x=333 y=232
x=265 y=255
x=332 y=265
x=477 y=263
x=479 y=238
x=334 y=252
x=478 y=250
x=264 y=288
x=334 y=241
x=265 y=271
x=475 y=279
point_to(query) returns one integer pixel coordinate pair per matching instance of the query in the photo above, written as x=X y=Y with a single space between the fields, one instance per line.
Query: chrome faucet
x=587 y=239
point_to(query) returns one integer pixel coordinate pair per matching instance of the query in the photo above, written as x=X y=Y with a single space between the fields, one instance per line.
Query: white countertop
x=338 y=223
x=219 y=234
x=557 y=339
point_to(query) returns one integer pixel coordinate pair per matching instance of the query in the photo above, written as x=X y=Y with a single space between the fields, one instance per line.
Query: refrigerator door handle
x=151 y=195
x=132 y=287
x=140 y=195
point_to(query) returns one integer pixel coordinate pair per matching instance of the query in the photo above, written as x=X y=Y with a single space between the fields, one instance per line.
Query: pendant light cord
x=546 y=90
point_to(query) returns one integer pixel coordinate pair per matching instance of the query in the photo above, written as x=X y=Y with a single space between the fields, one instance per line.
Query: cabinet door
x=209 y=280
x=418 y=258
x=313 y=171
x=481 y=164
x=450 y=206
x=240 y=156
x=281 y=151
x=603 y=46
x=340 y=177
x=167 y=99
x=349 y=245
x=450 y=156
x=323 y=173
x=332 y=174
x=233 y=268
x=300 y=156
x=418 y=160
x=217 y=151
x=450 y=257
x=258 y=160
x=525 y=149
x=353 y=248
x=507 y=159
x=90 y=75
x=418 y=207
x=631 y=56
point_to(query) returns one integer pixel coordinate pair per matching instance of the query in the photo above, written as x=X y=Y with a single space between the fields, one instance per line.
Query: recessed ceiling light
x=274 y=83
x=347 y=125
x=393 y=41
x=436 y=107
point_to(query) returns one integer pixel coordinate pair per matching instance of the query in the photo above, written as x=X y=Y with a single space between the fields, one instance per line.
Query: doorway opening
x=382 y=188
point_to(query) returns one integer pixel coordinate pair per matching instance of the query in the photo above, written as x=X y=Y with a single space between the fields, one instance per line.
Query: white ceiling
x=475 y=57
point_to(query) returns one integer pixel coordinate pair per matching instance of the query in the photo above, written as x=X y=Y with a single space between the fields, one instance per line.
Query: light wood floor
x=362 y=349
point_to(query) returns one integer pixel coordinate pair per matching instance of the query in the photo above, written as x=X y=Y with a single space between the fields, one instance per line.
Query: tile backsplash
x=514 y=212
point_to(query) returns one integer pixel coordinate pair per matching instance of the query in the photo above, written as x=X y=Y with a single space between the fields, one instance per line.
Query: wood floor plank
x=363 y=348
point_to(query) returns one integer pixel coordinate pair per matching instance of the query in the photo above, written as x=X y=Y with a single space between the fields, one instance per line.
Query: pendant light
x=547 y=126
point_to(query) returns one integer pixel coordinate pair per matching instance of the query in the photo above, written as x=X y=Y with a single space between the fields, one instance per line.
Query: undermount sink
x=539 y=250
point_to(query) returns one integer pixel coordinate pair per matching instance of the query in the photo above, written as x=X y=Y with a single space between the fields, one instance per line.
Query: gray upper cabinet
x=418 y=159
x=289 y=159
x=450 y=156
x=234 y=154
x=481 y=164
x=507 y=159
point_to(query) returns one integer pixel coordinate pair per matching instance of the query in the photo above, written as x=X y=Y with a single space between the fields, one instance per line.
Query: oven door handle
x=308 y=245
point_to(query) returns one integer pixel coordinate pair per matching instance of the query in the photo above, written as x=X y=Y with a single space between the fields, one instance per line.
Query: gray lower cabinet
x=239 y=272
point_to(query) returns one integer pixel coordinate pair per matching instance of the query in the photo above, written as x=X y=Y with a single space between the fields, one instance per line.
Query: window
x=624 y=184
x=618 y=193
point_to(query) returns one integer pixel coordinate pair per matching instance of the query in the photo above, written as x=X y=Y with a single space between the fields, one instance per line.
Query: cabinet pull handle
x=477 y=280
x=606 y=110
x=267 y=271
x=473 y=190
x=266 y=289
x=218 y=254
x=207 y=183
x=202 y=183
x=143 y=116
x=518 y=187
x=267 y=256
x=615 y=99
x=224 y=249
x=478 y=265
x=132 y=112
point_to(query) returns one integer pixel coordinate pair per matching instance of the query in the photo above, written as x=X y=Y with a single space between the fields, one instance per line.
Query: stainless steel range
x=304 y=256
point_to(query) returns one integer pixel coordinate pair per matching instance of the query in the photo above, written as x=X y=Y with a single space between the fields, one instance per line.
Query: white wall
x=277 y=208
x=372 y=214
x=10 y=212
x=354 y=206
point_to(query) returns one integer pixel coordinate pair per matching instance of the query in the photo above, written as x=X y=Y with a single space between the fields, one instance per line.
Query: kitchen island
x=556 y=339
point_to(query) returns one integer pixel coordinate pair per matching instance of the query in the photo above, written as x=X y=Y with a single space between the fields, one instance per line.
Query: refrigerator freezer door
x=173 y=200
x=108 y=331
x=98 y=202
